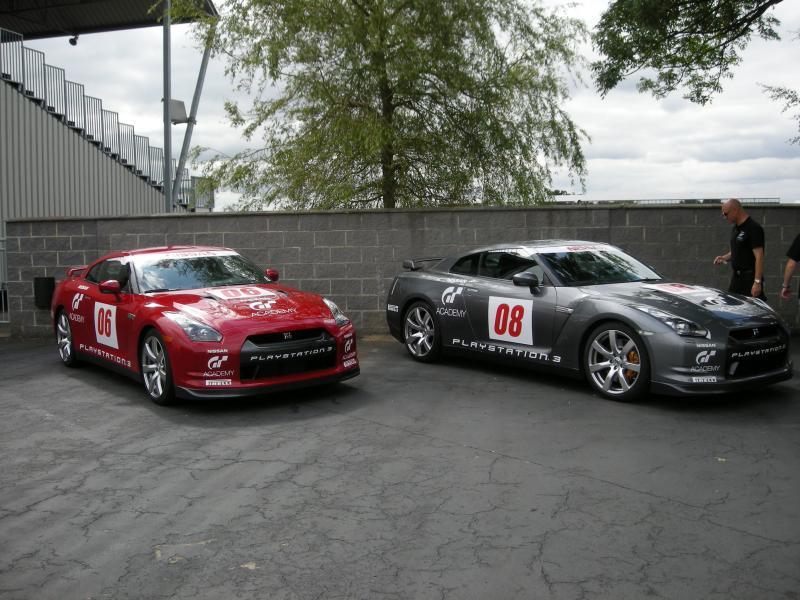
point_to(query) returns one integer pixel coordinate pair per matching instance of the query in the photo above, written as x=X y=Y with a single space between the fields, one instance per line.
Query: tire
x=155 y=368
x=66 y=347
x=421 y=332
x=615 y=362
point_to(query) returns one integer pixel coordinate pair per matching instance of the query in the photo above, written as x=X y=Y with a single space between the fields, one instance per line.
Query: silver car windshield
x=597 y=266
x=160 y=273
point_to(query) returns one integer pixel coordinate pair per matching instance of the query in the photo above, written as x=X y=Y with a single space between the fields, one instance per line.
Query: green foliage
x=397 y=102
x=689 y=43
x=790 y=99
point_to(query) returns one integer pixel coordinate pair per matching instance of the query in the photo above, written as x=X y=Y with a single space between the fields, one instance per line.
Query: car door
x=110 y=318
x=509 y=320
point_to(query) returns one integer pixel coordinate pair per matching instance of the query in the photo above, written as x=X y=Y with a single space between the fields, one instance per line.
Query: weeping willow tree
x=397 y=103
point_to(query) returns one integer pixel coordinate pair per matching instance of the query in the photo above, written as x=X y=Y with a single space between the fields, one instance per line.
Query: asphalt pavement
x=449 y=481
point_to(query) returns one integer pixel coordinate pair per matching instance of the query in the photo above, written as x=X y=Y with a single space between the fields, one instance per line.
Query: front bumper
x=673 y=388
x=267 y=388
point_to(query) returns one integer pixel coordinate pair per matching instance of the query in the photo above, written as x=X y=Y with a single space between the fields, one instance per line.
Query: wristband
x=758 y=281
x=786 y=287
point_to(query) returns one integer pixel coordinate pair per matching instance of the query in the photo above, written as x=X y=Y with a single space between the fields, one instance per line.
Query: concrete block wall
x=351 y=257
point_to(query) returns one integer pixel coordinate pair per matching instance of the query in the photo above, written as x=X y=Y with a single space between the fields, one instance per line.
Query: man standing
x=747 y=251
x=793 y=256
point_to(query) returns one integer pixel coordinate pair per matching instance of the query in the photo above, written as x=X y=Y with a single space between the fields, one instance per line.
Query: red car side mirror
x=110 y=287
x=272 y=274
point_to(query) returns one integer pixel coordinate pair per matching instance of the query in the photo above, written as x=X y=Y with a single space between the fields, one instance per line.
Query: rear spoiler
x=75 y=271
x=416 y=264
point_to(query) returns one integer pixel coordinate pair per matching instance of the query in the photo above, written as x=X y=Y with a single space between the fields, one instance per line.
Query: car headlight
x=195 y=330
x=338 y=315
x=680 y=325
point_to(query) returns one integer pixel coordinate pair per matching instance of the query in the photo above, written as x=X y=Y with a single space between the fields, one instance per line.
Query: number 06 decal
x=105 y=324
x=511 y=320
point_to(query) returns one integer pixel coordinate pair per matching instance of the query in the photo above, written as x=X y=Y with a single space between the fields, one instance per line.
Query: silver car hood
x=698 y=303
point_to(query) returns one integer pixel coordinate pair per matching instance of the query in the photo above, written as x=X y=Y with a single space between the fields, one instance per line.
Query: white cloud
x=641 y=147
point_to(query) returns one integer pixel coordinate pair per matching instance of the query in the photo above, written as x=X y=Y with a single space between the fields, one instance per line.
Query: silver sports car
x=587 y=308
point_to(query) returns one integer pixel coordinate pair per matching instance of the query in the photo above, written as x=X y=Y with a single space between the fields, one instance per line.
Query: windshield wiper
x=154 y=290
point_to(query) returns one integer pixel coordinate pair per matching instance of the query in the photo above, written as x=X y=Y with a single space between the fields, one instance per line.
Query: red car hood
x=225 y=308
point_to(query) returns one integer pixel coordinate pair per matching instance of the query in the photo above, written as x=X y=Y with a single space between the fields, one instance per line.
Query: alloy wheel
x=420 y=331
x=64 y=338
x=154 y=367
x=614 y=362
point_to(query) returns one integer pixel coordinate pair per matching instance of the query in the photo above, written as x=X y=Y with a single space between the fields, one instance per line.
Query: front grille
x=265 y=339
x=273 y=355
x=756 y=365
x=756 y=350
x=755 y=333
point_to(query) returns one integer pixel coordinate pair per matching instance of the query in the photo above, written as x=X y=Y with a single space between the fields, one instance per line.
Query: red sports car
x=199 y=322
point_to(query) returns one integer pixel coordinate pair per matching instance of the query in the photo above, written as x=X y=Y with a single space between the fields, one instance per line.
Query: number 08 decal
x=105 y=324
x=511 y=320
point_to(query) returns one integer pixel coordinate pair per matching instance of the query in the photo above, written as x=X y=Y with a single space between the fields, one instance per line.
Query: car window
x=466 y=266
x=178 y=272
x=110 y=269
x=505 y=264
x=595 y=266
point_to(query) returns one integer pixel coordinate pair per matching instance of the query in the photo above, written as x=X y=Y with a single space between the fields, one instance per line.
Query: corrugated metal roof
x=53 y=18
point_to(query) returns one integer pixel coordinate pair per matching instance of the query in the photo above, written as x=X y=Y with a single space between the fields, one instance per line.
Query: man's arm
x=755 y=291
x=722 y=258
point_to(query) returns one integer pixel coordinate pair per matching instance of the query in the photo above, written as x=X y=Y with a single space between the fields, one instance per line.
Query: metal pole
x=198 y=90
x=167 y=116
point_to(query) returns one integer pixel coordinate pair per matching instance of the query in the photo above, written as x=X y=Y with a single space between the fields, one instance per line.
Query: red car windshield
x=168 y=272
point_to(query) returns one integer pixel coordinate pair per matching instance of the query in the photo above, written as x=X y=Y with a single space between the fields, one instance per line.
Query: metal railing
x=35 y=82
x=111 y=133
x=55 y=90
x=66 y=100
x=142 y=152
x=75 y=110
x=93 y=111
x=127 y=149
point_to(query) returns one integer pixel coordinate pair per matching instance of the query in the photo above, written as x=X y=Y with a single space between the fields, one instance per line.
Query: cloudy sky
x=640 y=147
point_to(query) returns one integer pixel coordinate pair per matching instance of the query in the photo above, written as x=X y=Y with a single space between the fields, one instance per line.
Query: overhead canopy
x=53 y=18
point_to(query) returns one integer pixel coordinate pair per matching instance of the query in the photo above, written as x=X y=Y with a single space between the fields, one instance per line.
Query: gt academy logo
x=348 y=345
x=703 y=357
x=218 y=373
x=259 y=305
x=76 y=301
x=392 y=308
x=450 y=294
x=77 y=318
x=511 y=320
x=215 y=362
x=350 y=363
x=704 y=379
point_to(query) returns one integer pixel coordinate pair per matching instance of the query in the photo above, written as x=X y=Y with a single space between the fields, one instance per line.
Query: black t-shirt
x=744 y=238
x=794 y=249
